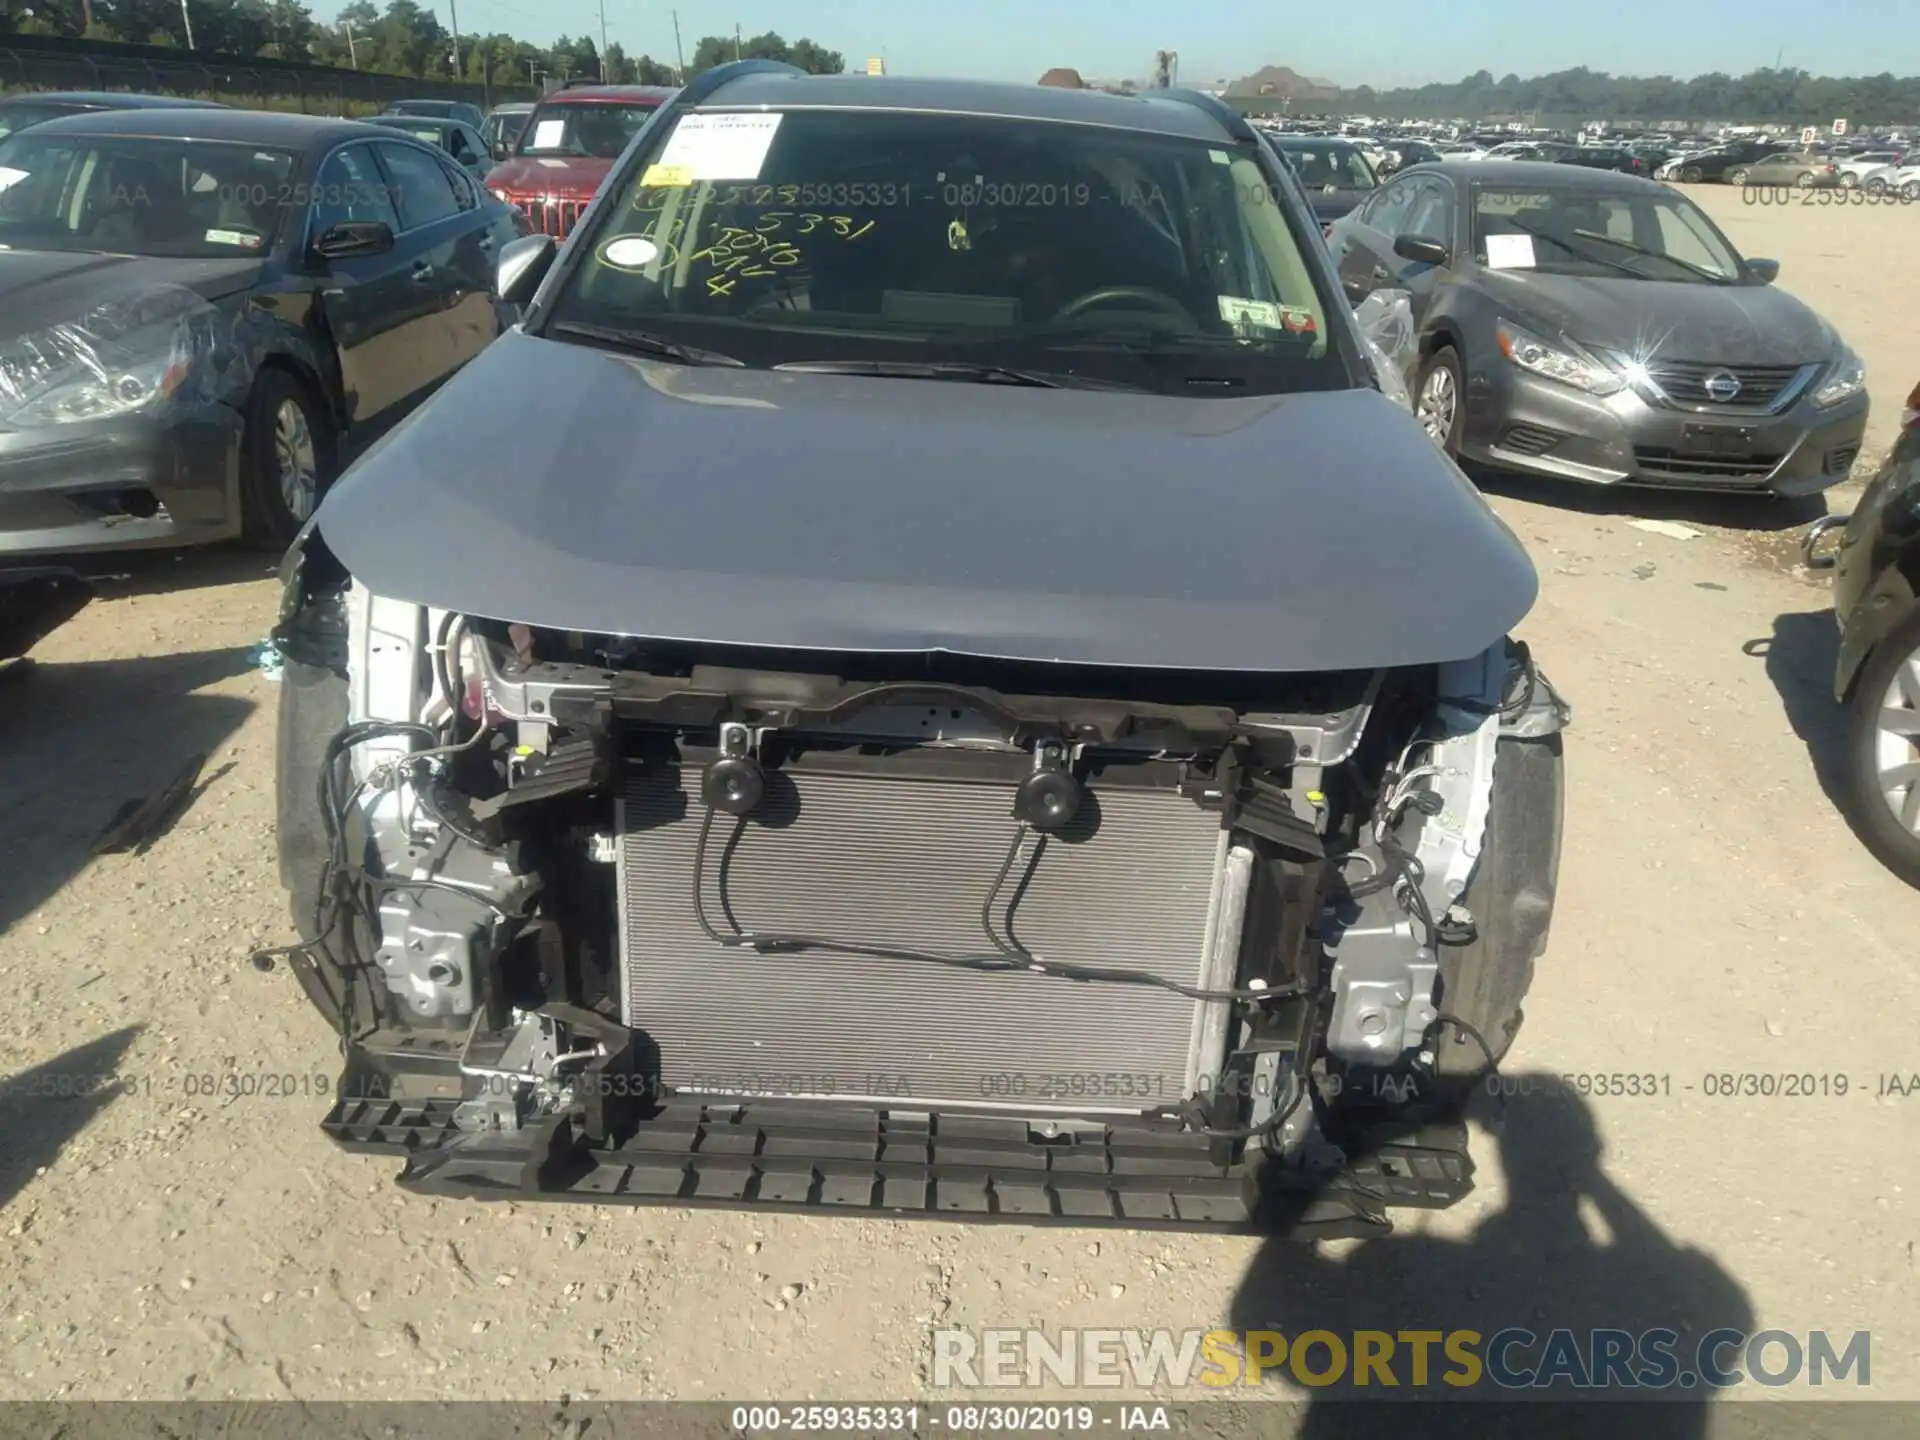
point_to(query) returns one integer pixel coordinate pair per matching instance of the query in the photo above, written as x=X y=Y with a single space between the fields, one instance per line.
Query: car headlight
x=1563 y=362
x=501 y=195
x=103 y=389
x=1846 y=377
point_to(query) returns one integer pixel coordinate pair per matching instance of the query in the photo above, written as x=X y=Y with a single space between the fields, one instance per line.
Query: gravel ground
x=1716 y=917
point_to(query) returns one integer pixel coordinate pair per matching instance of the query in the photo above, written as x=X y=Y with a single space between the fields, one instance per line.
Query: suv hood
x=576 y=489
x=572 y=177
x=1680 y=320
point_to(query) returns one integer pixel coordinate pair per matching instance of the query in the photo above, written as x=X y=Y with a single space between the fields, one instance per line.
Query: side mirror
x=1762 y=272
x=523 y=264
x=351 y=239
x=501 y=150
x=1420 y=250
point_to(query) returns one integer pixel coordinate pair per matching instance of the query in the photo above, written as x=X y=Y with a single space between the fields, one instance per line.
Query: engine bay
x=601 y=917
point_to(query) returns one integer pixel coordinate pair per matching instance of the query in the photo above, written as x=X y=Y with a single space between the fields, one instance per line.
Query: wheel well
x=320 y=394
x=1437 y=340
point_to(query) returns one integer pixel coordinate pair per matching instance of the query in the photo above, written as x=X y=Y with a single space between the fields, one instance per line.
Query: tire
x=287 y=457
x=1690 y=174
x=1804 y=180
x=1737 y=177
x=1442 y=372
x=1910 y=191
x=1849 y=180
x=1876 y=184
x=1893 y=842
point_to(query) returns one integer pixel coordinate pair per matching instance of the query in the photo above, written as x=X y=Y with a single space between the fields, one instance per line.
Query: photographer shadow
x=1534 y=1265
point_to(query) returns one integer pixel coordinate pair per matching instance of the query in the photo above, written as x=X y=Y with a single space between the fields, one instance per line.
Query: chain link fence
x=38 y=63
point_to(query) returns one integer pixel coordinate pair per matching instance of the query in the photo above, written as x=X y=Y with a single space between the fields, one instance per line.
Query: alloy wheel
x=1910 y=191
x=1804 y=180
x=1438 y=402
x=295 y=459
x=1896 y=748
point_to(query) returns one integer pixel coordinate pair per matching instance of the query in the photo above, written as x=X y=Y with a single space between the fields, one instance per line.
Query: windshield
x=19 y=114
x=1646 y=235
x=159 y=197
x=1341 y=166
x=597 y=130
x=845 y=236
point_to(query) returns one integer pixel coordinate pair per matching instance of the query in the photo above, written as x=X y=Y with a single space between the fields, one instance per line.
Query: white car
x=1901 y=180
x=1856 y=168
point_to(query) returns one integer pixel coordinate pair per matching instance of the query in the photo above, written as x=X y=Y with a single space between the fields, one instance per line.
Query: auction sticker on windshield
x=720 y=147
x=549 y=135
x=1510 y=252
x=629 y=252
x=10 y=176
x=1236 y=311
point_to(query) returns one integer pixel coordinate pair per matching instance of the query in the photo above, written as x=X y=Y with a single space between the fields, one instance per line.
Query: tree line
x=1776 y=95
x=405 y=38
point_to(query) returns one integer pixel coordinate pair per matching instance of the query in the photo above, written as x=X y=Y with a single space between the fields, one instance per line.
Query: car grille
x=1684 y=382
x=1530 y=439
x=547 y=216
x=1659 y=460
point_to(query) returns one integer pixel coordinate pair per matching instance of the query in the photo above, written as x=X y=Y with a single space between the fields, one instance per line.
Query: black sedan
x=17 y=112
x=203 y=312
x=1876 y=600
x=459 y=139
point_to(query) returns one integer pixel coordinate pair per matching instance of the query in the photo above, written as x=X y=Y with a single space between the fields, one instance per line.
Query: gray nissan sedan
x=1599 y=327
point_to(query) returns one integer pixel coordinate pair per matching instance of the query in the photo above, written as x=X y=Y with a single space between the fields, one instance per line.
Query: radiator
x=906 y=863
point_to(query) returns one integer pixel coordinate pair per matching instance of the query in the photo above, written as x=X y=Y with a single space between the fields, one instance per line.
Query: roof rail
x=1231 y=120
x=708 y=81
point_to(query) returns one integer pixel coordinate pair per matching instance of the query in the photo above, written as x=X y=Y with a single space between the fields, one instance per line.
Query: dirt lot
x=1716 y=917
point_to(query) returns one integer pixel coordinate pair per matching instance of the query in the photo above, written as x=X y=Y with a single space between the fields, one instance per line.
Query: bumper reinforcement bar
x=823 y=1157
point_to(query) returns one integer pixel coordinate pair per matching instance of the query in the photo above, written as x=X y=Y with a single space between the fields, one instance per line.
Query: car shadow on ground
x=160 y=572
x=1687 y=507
x=78 y=741
x=1800 y=658
x=1536 y=1265
x=43 y=1108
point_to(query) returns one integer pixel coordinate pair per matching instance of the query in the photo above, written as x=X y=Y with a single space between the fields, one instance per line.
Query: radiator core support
x=905 y=861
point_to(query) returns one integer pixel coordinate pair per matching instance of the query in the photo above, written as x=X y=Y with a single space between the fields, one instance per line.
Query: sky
x=1384 y=43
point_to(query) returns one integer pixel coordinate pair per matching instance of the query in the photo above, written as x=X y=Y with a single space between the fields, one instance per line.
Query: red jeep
x=569 y=144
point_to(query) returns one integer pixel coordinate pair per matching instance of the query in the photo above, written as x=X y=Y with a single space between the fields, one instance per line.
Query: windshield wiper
x=1705 y=274
x=978 y=373
x=643 y=342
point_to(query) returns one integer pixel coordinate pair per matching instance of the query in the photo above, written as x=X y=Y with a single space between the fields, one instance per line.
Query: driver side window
x=1388 y=210
x=1430 y=216
x=351 y=187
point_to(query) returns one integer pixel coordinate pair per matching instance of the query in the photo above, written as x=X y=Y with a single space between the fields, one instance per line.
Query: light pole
x=605 y=78
x=453 y=13
x=679 y=55
x=187 y=20
x=736 y=36
x=353 y=54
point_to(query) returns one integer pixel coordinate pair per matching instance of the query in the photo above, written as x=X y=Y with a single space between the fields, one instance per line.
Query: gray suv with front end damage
x=946 y=713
